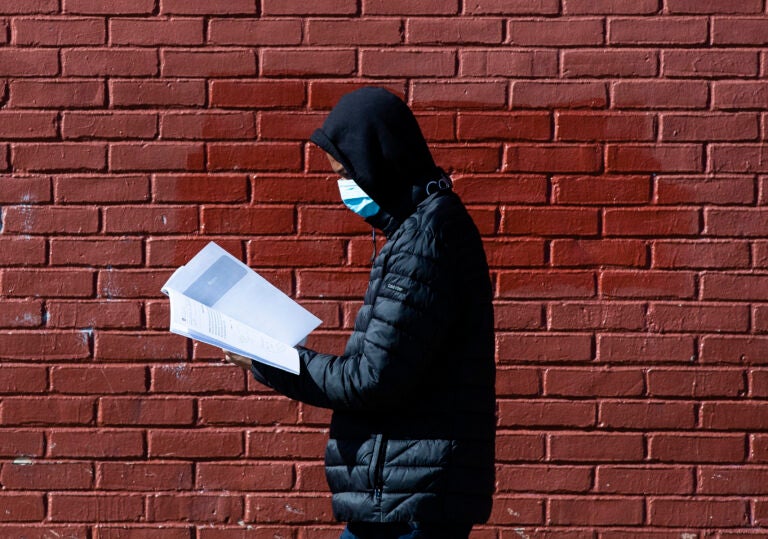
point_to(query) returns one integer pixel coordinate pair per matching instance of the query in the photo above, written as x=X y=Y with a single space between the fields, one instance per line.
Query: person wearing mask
x=411 y=446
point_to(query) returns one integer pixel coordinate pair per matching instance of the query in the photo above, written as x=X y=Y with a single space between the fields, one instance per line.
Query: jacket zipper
x=378 y=470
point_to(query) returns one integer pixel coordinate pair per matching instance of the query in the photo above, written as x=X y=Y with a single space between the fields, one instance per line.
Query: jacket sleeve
x=412 y=309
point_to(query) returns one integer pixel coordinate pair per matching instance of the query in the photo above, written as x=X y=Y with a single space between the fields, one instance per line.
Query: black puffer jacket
x=412 y=434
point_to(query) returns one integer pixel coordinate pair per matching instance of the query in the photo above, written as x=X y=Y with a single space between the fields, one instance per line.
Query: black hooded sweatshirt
x=413 y=426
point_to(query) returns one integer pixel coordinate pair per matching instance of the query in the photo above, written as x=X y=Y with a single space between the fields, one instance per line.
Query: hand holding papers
x=218 y=300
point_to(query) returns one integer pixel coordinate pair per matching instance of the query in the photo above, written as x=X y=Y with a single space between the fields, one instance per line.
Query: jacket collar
x=384 y=222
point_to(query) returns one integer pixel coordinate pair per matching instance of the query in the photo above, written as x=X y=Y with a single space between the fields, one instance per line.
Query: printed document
x=218 y=300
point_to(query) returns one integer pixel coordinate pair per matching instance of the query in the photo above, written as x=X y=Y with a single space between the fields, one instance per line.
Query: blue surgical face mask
x=356 y=200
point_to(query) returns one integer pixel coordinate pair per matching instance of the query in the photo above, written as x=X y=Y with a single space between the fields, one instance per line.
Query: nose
x=337 y=167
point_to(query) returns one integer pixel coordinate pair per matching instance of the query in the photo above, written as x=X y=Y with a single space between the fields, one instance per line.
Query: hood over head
x=375 y=136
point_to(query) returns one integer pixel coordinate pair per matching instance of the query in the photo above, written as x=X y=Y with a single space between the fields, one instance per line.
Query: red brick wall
x=611 y=152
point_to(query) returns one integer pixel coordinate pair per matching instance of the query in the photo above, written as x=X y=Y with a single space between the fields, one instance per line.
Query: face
x=337 y=167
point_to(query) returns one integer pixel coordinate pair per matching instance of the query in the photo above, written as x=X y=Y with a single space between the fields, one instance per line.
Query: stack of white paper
x=218 y=300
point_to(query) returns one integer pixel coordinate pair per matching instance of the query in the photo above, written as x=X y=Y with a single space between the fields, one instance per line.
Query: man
x=411 y=449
